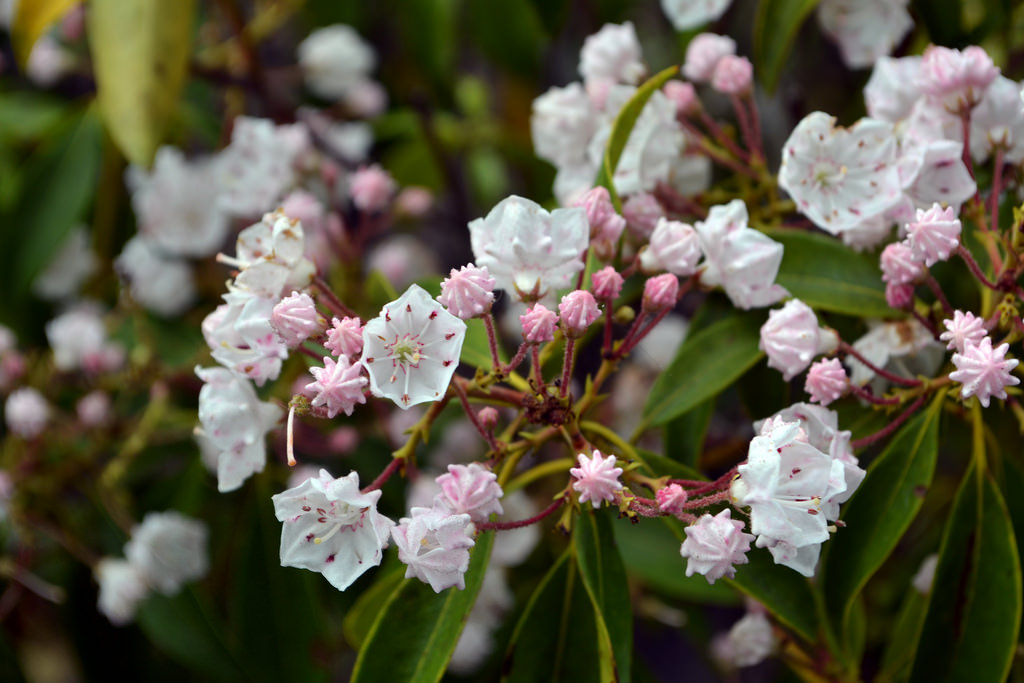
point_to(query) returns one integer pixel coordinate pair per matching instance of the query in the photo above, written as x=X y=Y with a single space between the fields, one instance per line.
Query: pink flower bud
x=607 y=284
x=660 y=292
x=899 y=296
x=683 y=95
x=367 y=99
x=703 y=54
x=899 y=265
x=956 y=79
x=578 y=311
x=414 y=201
x=305 y=208
x=963 y=329
x=714 y=545
x=671 y=499
x=538 y=324
x=605 y=223
x=338 y=386
x=488 y=417
x=93 y=409
x=472 y=490
x=934 y=234
x=468 y=292
x=984 y=371
x=345 y=337
x=733 y=75
x=371 y=188
x=826 y=381
x=295 y=319
x=597 y=478
x=26 y=412
x=642 y=212
x=674 y=247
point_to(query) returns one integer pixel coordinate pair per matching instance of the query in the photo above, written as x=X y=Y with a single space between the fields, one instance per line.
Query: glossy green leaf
x=556 y=636
x=880 y=511
x=898 y=655
x=360 y=617
x=28 y=115
x=707 y=363
x=604 y=577
x=416 y=632
x=783 y=592
x=140 y=51
x=622 y=127
x=31 y=19
x=684 y=436
x=658 y=465
x=775 y=28
x=59 y=186
x=827 y=275
x=970 y=630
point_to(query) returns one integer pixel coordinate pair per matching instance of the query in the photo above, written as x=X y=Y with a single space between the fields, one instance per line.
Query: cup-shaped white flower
x=412 y=348
x=714 y=545
x=122 y=588
x=435 y=544
x=168 y=549
x=332 y=528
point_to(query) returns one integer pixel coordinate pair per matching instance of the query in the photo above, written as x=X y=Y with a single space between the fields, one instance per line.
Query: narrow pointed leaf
x=783 y=592
x=775 y=28
x=31 y=19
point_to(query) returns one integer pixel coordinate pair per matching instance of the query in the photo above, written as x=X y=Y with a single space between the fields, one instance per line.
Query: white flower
x=893 y=88
x=122 y=588
x=998 y=121
x=435 y=544
x=234 y=424
x=271 y=257
x=73 y=263
x=751 y=640
x=612 y=55
x=740 y=259
x=864 y=29
x=78 y=338
x=528 y=250
x=241 y=337
x=687 y=14
x=176 y=204
x=562 y=123
x=168 y=549
x=334 y=59
x=331 y=528
x=714 y=545
x=412 y=348
x=840 y=177
x=258 y=167
x=792 y=338
x=674 y=247
x=160 y=283
x=26 y=412
x=905 y=347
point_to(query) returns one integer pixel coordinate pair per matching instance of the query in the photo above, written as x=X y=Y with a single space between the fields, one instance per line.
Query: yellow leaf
x=31 y=19
x=140 y=52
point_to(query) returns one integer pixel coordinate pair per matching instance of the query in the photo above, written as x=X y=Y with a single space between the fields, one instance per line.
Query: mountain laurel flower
x=295 y=319
x=561 y=124
x=597 y=478
x=714 y=545
x=271 y=257
x=330 y=527
x=963 y=330
x=893 y=89
x=733 y=75
x=984 y=371
x=241 y=337
x=160 y=283
x=683 y=95
x=168 y=549
x=607 y=284
x=345 y=337
x=751 y=640
x=791 y=338
x=606 y=225
x=412 y=348
x=259 y=166
x=660 y=292
x=899 y=296
x=372 y=188
x=956 y=79
x=899 y=265
x=338 y=386
x=471 y=489
x=612 y=54
x=334 y=60
x=468 y=292
x=671 y=499
x=122 y=588
x=674 y=247
x=642 y=212
x=26 y=412
x=577 y=311
x=234 y=424
x=539 y=324
x=435 y=544
x=528 y=250
x=703 y=54
x=826 y=381
x=934 y=234
x=864 y=29
x=742 y=260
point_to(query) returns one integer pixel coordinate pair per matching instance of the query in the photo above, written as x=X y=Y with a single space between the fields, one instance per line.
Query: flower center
x=406 y=351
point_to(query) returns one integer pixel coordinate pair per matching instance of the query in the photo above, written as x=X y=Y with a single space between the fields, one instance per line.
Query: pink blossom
x=674 y=247
x=93 y=409
x=899 y=265
x=345 y=337
x=683 y=95
x=577 y=311
x=607 y=284
x=671 y=499
x=956 y=79
x=26 y=412
x=468 y=292
x=983 y=371
x=471 y=489
x=597 y=478
x=965 y=329
x=714 y=545
x=295 y=318
x=606 y=225
x=435 y=545
x=732 y=75
x=826 y=381
x=642 y=212
x=414 y=201
x=561 y=123
x=660 y=292
x=899 y=296
x=688 y=14
x=538 y=324
x=338 y=386
x=371 y=188
x=791 y=338
x=703 y=54
x=488 y=417
x=934 y=234
x=612 y=54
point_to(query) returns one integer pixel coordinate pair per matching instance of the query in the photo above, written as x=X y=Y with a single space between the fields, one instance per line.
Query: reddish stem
x=895 y=379
x=464 y=400
x=393 y=466
x=504 y=526
x=871 y=398
x=492 y=341
x=332 y=300
x=972 y=265
x=891 y=427
x=570 y=348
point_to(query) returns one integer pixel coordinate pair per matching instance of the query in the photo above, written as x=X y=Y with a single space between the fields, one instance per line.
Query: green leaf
x=556 y=637
x=970 y=630
x=684 y=436
x=604 y=577
x=31 y=19
x=707 y=363
x=181 y=627
x=59 y=185
x=827 y=275
x=476 y=350
x=880 y=511
x=783 y=592
x=28 y=115
x=902 y=640
x=360 y=617
x=140 y=51
x=416 y=632
x=623 y=127
x=775 y=27
x=943 y=19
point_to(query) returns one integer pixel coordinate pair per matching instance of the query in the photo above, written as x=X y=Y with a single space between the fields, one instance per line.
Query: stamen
x=291 y=436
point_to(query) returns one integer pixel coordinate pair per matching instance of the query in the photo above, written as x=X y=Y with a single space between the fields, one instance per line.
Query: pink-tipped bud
x=605 y=223
x=642 y=212
x=295 y=319
x=899 y=266
x=899 y=296
x=371 y=188
x=472 y=490
x=538 y=324
x=578 y=311
x=304 y=207
x=367 y=99
x=683 y=95
x=826 y=381
x=468 y=292
x=607 y=284
x=934 y=234
x=674 y=247
x=956 y=79
x=414 y=201
x=93 y=409
x=345 y=337
x=671 y=499
x=660 y=292
x=733 y=75
x=488 y=417
x=703 y=54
